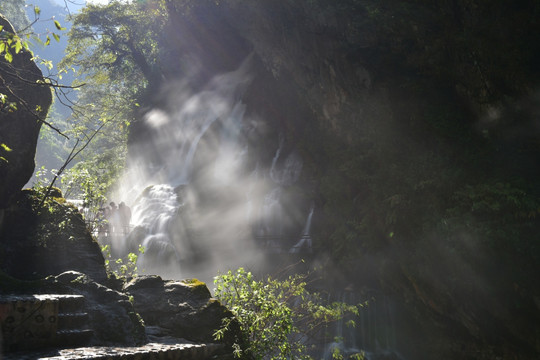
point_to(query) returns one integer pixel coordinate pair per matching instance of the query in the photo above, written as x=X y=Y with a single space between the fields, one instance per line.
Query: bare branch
x=31 y=111
x=72 y=155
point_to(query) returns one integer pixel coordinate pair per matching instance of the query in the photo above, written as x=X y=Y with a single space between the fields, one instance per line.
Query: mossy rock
x=38 y=241
x=198 y=287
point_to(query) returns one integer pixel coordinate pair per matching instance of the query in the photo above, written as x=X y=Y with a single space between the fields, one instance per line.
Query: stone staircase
x=41 y=321
x=73 y=322
x=55 y=327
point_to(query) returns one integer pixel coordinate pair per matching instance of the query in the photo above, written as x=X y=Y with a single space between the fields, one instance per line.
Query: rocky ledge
x=169 y=348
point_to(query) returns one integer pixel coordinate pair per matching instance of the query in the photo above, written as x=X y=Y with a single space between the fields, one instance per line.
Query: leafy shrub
x=123 y=268
x=278 y=318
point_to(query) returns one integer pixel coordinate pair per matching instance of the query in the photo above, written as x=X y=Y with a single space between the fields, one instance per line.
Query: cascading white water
x=154 y=213
x=167 y=158
x=231 y=153
x=305 y=240
x=270 y=231
x=273 y=172
x=178 y=170
x=344 y=337
x=374 y=334
x=200 y=142
x=291 y=169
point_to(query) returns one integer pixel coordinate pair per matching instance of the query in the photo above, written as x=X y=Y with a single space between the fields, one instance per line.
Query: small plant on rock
x=123 y=268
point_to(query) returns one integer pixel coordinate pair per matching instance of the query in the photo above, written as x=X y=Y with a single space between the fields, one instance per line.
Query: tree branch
x=70 y=158
x=27 y=108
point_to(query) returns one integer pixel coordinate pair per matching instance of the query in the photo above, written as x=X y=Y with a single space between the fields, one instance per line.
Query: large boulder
x=183 y=309
x=38 y=241
x=20 y=123
x=110 y=313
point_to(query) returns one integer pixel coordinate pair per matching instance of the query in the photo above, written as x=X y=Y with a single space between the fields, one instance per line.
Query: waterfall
x=291 y=169
x=231 y=153
x=270 y=231
x=193 y=135
x=273 y=174
x=183 y=176
x=200 y=143
x=374 y=334
x=305 y=239
x=154 y=212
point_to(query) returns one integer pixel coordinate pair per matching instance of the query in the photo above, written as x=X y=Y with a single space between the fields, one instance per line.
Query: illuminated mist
x=201 y=203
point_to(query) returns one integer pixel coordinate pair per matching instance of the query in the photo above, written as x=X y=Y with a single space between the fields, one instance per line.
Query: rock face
x=409 y=132
x=19 y=125
x=53 y=240
x=181 y=309
x=111 y=316
x=38 y=242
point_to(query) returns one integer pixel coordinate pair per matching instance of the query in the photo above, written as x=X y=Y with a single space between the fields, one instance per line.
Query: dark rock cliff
x=20 y=123
x=417 y=123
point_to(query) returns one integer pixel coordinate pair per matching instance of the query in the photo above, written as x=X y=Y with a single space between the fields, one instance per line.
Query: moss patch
x=197 y=287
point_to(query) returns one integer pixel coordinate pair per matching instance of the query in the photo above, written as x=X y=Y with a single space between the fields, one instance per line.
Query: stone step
x=67 y=321
x=73 y=338
x=159 y=350
x=70 y=303
x=38 y=321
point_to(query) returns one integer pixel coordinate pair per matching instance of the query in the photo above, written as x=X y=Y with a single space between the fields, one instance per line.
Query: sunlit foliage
x=279 y=319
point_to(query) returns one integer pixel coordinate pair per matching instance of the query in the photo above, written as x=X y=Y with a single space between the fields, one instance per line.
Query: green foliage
x=17 y=40
x=92 y=179
x=105 y=45
x=500 y=215
x=4 y=148
x=503 y=198
x=14 y=11
x=276 y=316
x=108 y=42
x=123 y=268
x=14 y=42
x=56 y=220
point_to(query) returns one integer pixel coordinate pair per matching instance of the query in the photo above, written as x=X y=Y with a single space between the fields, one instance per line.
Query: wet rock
x=179 y=308
x=111 y=315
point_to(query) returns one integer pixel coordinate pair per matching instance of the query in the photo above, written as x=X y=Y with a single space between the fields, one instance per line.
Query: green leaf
x=48 y=41
x=47 y=63
x=8 y=56
x=57 y=24
x=18 y=47
x=37 y=10
x=36 y=38
x=5 y=147
x=2 y=47
x=56 y=37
